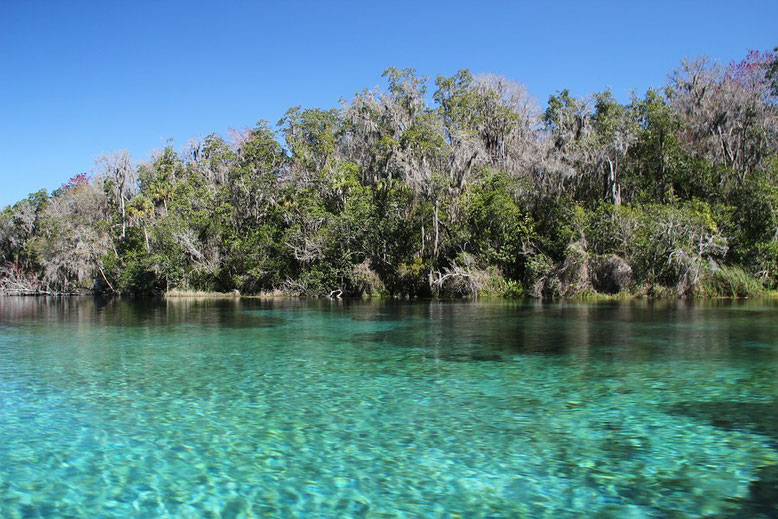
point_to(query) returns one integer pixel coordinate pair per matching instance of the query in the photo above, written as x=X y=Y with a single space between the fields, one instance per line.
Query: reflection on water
x=117 y=407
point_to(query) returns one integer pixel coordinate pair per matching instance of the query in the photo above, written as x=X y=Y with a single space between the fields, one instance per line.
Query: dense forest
x=457 y=188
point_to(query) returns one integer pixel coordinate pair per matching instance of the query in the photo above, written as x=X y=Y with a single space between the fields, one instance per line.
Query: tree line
x=457 y=187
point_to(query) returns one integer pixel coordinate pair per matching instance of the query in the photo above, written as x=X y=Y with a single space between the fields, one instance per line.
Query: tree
x=657 y=153
x=18 y=224
x=727 y=119
x=311 y=136
x=157 y=179
x=615 y=132
x=74 y=237
x=772 y=72
x=569 y=150
x=118 y=177
x=256 y=177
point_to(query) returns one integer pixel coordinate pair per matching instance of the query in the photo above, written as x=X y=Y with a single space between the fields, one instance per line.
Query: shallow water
x=348 y=409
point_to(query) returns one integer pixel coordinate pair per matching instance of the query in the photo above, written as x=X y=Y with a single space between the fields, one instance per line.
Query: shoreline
x=589 y=297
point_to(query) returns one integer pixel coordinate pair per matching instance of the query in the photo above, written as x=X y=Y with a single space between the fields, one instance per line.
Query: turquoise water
x=352 y=409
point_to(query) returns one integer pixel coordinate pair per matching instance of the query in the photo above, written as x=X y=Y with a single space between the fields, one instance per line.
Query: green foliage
x=730 y=282
x=556 y=225
x=480 y=193
x=512 y=290
x=665 y=245
x=753 y=225
x=658 y=161
x=500 y=231
x=139 y=274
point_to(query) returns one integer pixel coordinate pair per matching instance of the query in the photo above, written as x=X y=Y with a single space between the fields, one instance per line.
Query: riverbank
x=592 y=297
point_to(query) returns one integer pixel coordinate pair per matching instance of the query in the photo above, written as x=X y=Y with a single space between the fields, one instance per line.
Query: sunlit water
x=349 y=409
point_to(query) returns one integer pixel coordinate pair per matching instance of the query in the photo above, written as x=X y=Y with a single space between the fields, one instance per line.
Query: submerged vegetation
x=472 y=190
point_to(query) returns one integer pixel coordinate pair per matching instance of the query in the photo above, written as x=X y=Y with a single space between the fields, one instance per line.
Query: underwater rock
x=755 y=417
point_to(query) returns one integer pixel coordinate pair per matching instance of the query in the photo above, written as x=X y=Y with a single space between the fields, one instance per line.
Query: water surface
x=348 y=409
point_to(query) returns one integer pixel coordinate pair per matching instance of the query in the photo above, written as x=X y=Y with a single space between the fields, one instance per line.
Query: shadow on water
x=616 y=333
x=465 y=357
x=752 y=417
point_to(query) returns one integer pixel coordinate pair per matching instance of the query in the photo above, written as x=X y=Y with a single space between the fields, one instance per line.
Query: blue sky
x=78 y=79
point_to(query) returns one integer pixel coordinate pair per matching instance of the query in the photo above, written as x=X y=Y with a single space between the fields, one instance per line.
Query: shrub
x=733 y=281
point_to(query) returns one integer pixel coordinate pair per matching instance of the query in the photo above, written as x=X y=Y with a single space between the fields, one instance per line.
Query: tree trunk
x=612 y=187
x=124 y=223
x=423 y=238
x=437 y=229
x=660 y=181
x=105 y=278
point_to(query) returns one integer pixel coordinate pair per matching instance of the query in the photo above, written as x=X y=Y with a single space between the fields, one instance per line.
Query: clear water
x=349 y=409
